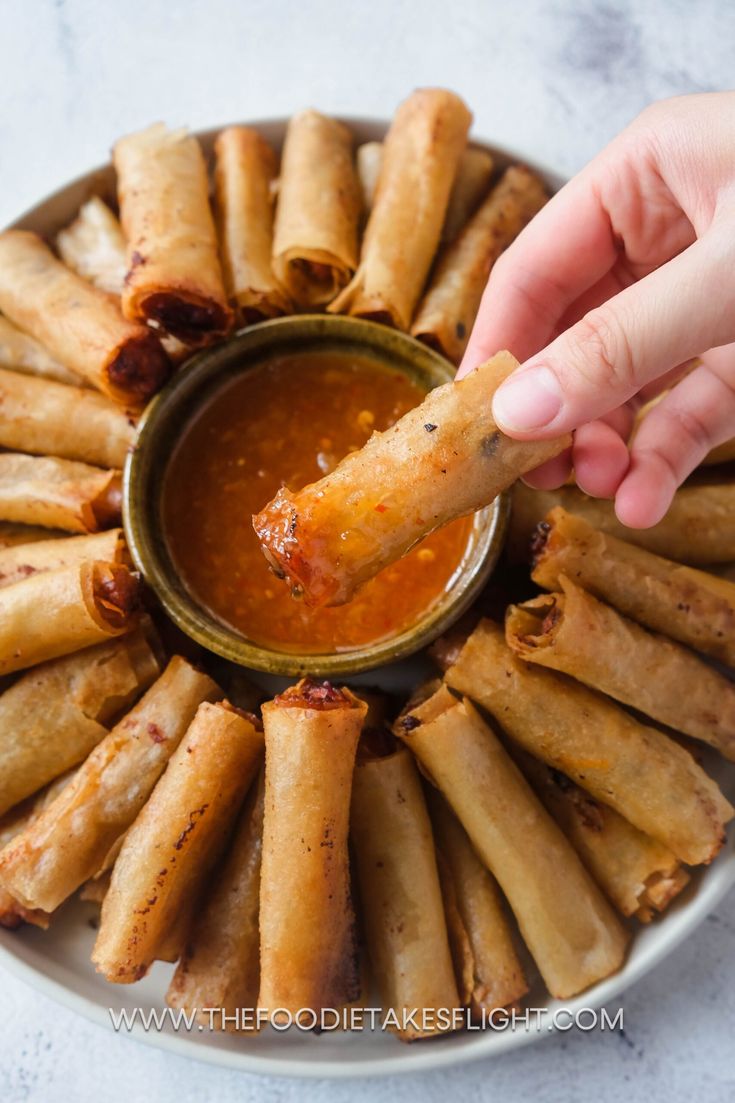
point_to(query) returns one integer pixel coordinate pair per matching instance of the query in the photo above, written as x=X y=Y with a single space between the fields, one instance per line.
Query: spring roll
x=694 y=607
x=311 y=734
x=495 y=972
x=443 y=459
x=220 y=966
x=568 y=926
x=70 y=841
x=175 y=840
x=18 y=561
x=95 y=890
x=79 y=325
x=644 y=775
x=21 y=353
x=315 y=234
x=447 y=312
x=470 y=187
x=13 y=535
x=48 y=418
x=578 y=635
x=174 y=278
x=419 y=165
x=244 y=172
x=93 y=246
x=58 y=494
x=639 y=875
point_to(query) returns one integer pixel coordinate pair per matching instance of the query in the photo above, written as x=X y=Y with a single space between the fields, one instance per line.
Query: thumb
x=598 y=364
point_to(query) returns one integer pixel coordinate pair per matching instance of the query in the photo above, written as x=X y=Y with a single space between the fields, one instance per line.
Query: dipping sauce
x=288 y=422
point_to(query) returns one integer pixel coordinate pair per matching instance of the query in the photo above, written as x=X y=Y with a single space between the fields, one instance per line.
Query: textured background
x=554 y=80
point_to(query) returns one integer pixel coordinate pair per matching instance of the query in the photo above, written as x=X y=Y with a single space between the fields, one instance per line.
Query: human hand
x=625 y=276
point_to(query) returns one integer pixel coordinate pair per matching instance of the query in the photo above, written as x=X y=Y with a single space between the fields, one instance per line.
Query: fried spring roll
x=578 y=635
x=447 y=312
x=93 y=246
x=688 y=605
x=18 y=561
x=419 y=165
x=48 y=418
x=244 y=172
x=315 y=234
x=568 y=926
x=71 y=840
x=494 y=970
x=21 y=353
x=53 y=717
x=175 y=840
x=443 y=459
x=638 y=874
x=13 y=535
x=174 y=278
x=220 y=966
x=57 y=612
x=311 y=734
x=648 y=778
x=79 y=325
x=58 y=494
x=400 y=892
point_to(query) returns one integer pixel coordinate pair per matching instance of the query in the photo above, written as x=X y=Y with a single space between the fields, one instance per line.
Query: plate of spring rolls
x=530 y=814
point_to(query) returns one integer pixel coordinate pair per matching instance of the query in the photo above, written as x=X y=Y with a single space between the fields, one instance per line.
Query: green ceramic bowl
x=168 y=414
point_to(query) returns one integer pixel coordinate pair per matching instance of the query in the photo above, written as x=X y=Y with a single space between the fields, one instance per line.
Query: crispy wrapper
x=484 y=943
x=18 y=561
x=419 y=164
x=53 y=716
x=568 y=926
x=176 y=839
x=174 y=278
x=220 y=966
x=244 y=172
x=311 y=734
x=93 y=246
x=443 y=459
x=48 y=418
x=22 y=353
x=315 y=235
x=448 y=310
x=694 y=607
x=400 y=894
x=58 y=494
x=70 y=841
x=13 y=535
x=57 y=612
x=575 y=633
x=80 y=325
x=643 y=774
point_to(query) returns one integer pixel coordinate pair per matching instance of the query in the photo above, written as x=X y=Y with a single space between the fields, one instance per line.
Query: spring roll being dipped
x=19 y=352
x=93 y=245
x=58 y=494
x=441 y=460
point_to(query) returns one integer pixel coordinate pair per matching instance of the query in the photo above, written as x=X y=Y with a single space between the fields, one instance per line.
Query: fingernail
x=529 y=400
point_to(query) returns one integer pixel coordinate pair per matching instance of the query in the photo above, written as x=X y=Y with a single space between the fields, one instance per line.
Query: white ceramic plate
x=56 y=962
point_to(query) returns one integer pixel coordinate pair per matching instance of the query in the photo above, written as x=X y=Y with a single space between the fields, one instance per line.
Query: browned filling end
x=107 y=506
x=117 y=593
x=312 y=694
x=139 y=368
x=190 y=321
x=539 y=540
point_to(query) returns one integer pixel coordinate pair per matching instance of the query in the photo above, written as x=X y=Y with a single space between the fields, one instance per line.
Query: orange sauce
x=288 y=422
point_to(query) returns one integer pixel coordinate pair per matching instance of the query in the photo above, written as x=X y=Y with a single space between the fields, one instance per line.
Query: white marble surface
x=555 y=80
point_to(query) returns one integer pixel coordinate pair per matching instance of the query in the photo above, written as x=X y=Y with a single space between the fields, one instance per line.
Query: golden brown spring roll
x=58 y=494
x=443 y=459
x=48 y=418
x=419 y=164
x=474 y=173
x=13 y=535
x=57 y=612
x=70 y=841
x=18 y=561
x=643 y=774
x=447 y=312
x=569 y=928
x=93 y=246
x=174 y=278
x=244 y=171
x=21 y=353
x=575 y=633
x=691 y=606
x=494 y=970
x=638 y=874
x=311 y=734
x=400 y=894
x=315 y=234
x=79 y=325
x=220 y=966
x=176 y=839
